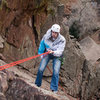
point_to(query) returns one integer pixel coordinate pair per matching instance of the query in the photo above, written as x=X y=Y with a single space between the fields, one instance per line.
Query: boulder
x=90 y=49
x=21 y=90
x=90 y=88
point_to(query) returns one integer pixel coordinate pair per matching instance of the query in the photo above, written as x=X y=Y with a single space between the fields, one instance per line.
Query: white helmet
x=55 y=28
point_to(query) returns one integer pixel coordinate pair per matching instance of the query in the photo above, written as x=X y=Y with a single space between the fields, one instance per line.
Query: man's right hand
x=50 y=51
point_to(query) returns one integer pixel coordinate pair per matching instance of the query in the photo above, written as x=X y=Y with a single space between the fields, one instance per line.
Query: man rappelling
x=54 y=43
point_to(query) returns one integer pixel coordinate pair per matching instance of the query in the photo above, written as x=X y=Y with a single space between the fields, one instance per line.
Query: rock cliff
x=22 y=25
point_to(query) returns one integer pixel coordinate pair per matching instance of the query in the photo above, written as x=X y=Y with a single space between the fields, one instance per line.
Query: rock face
x=23 y=45
x=71 y=72
x=84 y=19
x=91 y=82
x=90 y=49
x=91 y=70
x=15 y=85
x=20 y=90
x=21 y=30
x=22 y=25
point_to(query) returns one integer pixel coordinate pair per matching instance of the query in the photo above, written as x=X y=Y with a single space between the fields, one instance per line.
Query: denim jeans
x=56 y=68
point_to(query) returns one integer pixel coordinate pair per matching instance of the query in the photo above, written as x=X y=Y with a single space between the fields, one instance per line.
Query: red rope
x=20 y=61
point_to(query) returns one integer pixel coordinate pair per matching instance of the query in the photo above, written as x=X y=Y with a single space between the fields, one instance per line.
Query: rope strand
x=20 y=61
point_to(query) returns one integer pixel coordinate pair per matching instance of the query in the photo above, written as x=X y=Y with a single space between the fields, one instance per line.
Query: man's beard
x=52 y=39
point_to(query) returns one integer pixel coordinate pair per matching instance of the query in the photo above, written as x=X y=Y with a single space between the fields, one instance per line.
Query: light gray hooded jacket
x=48 y=43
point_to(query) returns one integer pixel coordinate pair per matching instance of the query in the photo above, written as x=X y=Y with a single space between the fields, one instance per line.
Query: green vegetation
x=41 y=7
x=3 y=3
x=51 y=11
